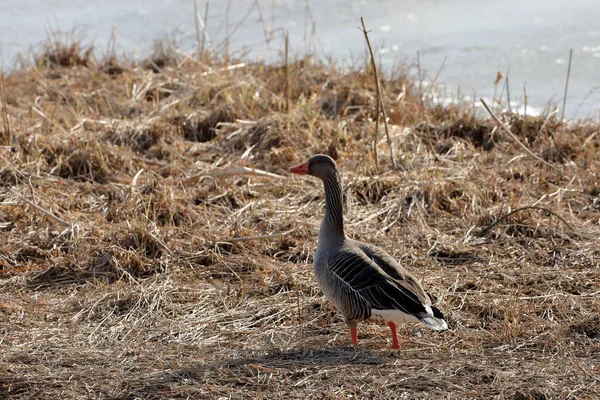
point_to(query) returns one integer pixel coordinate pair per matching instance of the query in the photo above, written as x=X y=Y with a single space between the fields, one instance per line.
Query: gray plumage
x=362 y=281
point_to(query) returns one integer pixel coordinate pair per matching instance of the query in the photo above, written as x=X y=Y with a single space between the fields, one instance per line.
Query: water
x=477 y=38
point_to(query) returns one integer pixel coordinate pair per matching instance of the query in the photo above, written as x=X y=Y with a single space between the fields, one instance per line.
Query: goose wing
x=383 y=291
x=394 y=271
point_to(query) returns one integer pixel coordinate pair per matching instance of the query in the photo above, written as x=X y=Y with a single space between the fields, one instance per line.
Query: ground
x=140 y=260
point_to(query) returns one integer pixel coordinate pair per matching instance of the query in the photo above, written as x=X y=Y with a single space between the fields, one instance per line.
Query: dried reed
x=192 y=278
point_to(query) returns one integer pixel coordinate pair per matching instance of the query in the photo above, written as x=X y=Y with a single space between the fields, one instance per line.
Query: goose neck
x=333 y=221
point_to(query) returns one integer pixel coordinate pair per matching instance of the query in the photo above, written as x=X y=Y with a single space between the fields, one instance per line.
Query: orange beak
x=301 y=169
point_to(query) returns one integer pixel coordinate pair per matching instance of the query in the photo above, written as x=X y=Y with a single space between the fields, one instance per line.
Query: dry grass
x=135 y=288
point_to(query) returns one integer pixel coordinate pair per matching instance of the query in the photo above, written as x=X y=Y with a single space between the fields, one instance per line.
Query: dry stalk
x=437 y=75
x=202 y=36
x=582 y=102
x=134 y=181
x=379 y=101
x=205 y=37
x=267 y=32
x=257 y=237
x=287 y=74
x=562 y=113
x=224 y=69
x=232 y=172
x=224 y=45
x=429 y=140
x=387 y=132
x=420 y=78
x=515 y=138
x=300 y=316
x=41 y=209
x=499 y=101
x=485 y=230
x=5 y=139
x=11 y=166
x=200 y=319
x=499 y=77
x=525 y=100
x=508 y=91
x=546 y=121
x=198 y=31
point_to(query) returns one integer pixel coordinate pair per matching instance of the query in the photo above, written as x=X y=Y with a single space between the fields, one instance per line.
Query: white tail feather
x=437 y=324
x=398 y=317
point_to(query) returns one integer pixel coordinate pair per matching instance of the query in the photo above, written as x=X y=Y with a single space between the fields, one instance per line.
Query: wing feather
x=404 y=280
x=361 y=273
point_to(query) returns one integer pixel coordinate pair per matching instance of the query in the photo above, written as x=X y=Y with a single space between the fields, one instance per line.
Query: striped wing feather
x=395 y=271
x=384 y=286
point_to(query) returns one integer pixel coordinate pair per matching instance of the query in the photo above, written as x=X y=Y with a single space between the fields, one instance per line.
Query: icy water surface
x=476 y=37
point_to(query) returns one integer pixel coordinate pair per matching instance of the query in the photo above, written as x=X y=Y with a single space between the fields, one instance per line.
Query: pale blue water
x=477 y=37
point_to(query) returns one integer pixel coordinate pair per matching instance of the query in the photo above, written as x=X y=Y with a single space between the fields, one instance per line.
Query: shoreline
x=445 y=93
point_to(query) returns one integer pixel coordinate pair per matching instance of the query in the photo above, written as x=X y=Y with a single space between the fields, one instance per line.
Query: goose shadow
x=313 y=357
x=239 y=365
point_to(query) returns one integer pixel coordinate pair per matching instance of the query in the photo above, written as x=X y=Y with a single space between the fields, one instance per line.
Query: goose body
x=362 y=281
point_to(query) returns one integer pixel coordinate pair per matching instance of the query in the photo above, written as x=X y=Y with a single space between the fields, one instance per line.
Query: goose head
x=320 y=165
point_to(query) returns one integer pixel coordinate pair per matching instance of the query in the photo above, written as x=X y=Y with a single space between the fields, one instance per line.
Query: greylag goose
x=361 y=280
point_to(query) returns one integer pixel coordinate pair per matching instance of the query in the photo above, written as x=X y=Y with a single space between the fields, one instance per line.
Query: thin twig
x=223 y=69
x=135 y=179
x=230 y=172
x=379 y=97
x=300 y=317
x=485 y=230
x=306 y=44
x=287 y=74
x=437 y=75
x=198 y=34
x=205 y=30
x=258 y=237
x=268 y=32
x=201 y=25
x=16 y=170
x=592 y=90
x=387 y=132
x=273 y=6
x=421 y=104
x=229 y=33
x=562 y=114
x=499 y=108
x=515 y=138
x=546 y=123
x=508 y=91
x=43 y=210
x=5 y=139
x=554 y=295
x=378 y=102
x=429 y=139
x=525 y=100
x=420 y=79
x=499 y=77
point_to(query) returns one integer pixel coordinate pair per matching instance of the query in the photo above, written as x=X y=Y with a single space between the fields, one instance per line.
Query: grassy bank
x=139 y=259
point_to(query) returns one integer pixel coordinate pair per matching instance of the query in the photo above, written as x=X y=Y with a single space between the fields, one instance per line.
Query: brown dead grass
x=143 y=286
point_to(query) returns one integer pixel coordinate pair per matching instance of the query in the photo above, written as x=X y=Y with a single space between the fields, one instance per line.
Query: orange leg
x=395 y=344
x=354 y=336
